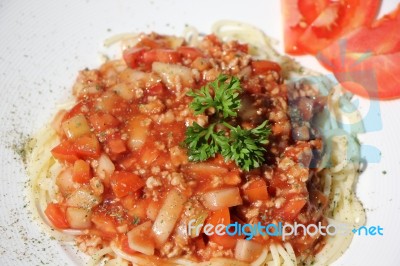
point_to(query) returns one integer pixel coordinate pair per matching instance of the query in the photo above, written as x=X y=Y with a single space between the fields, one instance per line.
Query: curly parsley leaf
x=244 y=147
x=225 y=99
x=203 y=143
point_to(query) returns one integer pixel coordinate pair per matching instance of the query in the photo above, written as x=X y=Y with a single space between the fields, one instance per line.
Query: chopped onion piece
x=139 y=240
x=172 y=75
x=78 y=218
x=139 y=79
x=64 y=181
x=168 y=216
x=106 y=167
x=246 y=250
x=83 y=198
x=76 y=126
x=138 y=130
x=204 y=169
x=124 y=91
x=226 y=197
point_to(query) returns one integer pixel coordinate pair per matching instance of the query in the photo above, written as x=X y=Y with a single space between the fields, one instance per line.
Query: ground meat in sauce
x=117 y=100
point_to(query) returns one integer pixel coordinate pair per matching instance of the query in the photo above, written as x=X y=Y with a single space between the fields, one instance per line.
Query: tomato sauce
x=128 y=125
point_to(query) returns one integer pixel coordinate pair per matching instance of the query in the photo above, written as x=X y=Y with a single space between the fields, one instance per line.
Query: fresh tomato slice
x=56 y=215
x=297 y=14
x=365 y=62
x=377 y=76
x=309 y=26
x=337 y=19
x=382 y=37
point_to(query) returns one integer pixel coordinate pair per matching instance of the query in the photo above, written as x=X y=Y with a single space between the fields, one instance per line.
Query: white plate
x=44 y=44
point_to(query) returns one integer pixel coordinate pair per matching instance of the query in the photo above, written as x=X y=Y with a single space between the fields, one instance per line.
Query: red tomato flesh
x=123 y=183
x=81 y=172
x=365 y=62
x=161 y=55
x=310 y=26
x=56 y=215
x=133 y=56
x=65 y=152
x=87 y=146
x=257 y=190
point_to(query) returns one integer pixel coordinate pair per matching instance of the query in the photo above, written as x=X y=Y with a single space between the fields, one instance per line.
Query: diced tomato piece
x=243 y=47
x=65 y=152
x=213 y=39
x=129 y=201
x=263 y=66
x=139 y=209
x=104 y=223
x=76 y=110
x=87 y=146
x=56 y=214
x=222 y=216
x=292 y=208
x=117 y=146
x=124 y=183
x=157 y=89
x=149 y=153
x=161 y=55
x=257 y=190
x=102 y=121
x=133 y=56
x=81 y=172
x=128 y=162
x=189 y=52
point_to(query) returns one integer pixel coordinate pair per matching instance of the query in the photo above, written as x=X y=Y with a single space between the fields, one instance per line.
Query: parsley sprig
x=225 y=101
x=244 y=147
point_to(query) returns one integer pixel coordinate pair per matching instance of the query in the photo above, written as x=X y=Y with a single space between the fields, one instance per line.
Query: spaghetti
x=127 y=125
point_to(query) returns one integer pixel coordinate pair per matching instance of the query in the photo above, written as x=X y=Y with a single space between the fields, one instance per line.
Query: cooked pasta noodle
x=338 y=170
